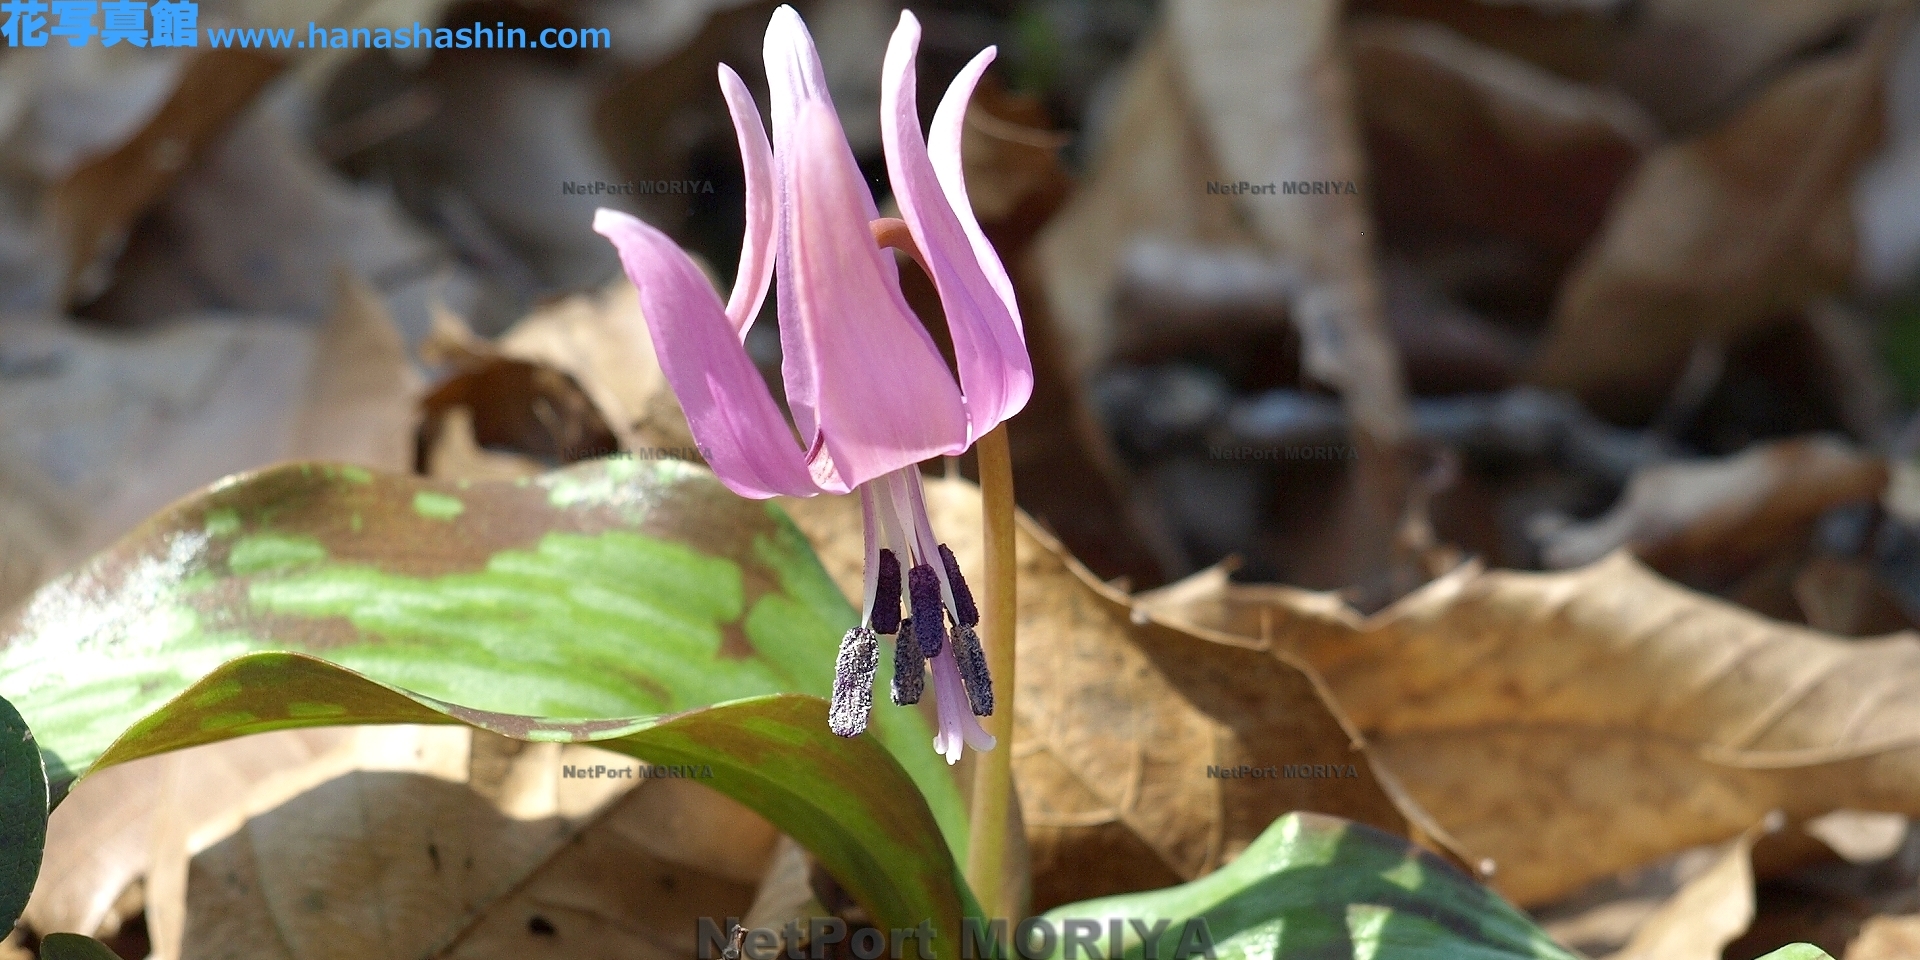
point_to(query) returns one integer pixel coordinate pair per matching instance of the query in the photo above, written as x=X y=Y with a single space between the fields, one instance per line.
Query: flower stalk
x=993 y=771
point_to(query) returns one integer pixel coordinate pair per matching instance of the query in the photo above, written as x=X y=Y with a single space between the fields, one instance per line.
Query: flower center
x=939 y=608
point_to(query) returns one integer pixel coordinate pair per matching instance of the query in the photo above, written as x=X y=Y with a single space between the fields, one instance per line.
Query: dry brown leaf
x=1705 y=915
x=1843 y=595
x=1118 y=719
x=456 y=454
x=1887 y=938
x=1717 y=235
x=1686 y=59
x=520 y=407
x=1464 y=137
x=1270 y=86
x=1859 y=836
x=1219 y=100
x=385 y=863
x=1602 y=917
x=1271 y=90
x=574 y=379
x=98 y=203
x=1148 y=182
x=786 y=891
x=1571 y=725
x=601 y=341
x=1709 y=521
x=102 y=431
x=359 y=406
x=99 y=838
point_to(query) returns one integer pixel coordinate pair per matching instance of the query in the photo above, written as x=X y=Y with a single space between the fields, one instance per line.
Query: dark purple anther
x=964 y=612
x=909 y=669
x=972 y=662
x=923 y=599
x=853 y=682
x=885 y=615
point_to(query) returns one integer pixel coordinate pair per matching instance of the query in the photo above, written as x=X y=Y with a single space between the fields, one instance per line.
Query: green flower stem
x=993 y=770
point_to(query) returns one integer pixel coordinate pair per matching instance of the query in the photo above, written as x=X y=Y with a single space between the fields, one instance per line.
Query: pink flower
x=870 y=394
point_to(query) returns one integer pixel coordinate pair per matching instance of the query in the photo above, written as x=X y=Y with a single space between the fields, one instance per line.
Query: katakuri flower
x=870 y=394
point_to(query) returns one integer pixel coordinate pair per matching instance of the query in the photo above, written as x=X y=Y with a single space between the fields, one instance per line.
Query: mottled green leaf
x=615 y=588
x=1798 y=951
x=72 y=946
x=23 y=814
x=1318 y=887
x=846 y=799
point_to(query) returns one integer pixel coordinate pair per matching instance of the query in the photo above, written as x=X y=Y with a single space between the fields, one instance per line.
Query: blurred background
x=1341 y=295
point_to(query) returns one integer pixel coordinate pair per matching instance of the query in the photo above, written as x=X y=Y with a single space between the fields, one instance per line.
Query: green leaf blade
x=615 y=588
x=23 y=814
x=1313 y=886
x=846 y=799
x=72 y=946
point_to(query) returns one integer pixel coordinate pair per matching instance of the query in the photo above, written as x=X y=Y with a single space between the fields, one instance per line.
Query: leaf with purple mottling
x=615 y=588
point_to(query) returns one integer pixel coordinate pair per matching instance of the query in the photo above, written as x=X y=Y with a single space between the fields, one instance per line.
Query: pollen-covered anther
x=929 y=622
x=964 y=612
x=909 y=668
x=972 y=662
x=885 y=616
x=853 y=682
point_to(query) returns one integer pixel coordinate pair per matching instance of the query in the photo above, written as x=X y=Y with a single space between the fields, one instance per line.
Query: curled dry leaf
x=1708 y=521
x=574 y=379
x=455 y=454
x=1571 y=725
x=1123 y=722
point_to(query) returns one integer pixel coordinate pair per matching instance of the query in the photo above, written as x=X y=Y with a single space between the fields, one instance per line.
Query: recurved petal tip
x=739 y=429
x=755 y=275
x=794 y=73
x=975 y=292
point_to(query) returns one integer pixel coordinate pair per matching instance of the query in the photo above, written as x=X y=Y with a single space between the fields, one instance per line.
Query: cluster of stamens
x=940 y=610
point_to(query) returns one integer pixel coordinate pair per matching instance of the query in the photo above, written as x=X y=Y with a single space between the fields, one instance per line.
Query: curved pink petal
x=868 y=388
x=755 y=275
x=734 y=419
x=794 y=77
x=977 y=296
